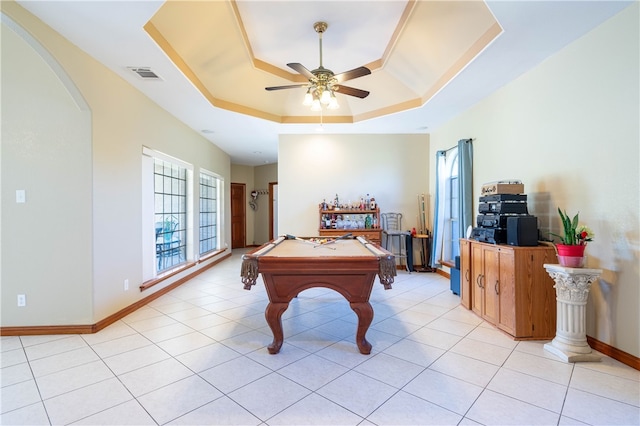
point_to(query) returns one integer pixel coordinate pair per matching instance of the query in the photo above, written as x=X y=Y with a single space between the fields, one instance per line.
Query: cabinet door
x=465 y=273
x=541 y=323
x=491 y=284
x=477 y=278
x=507 y=297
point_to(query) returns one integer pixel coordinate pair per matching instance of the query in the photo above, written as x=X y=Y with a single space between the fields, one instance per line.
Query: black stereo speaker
x=522 y=231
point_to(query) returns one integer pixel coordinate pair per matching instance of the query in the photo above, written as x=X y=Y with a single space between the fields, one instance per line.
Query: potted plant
x=572 y=244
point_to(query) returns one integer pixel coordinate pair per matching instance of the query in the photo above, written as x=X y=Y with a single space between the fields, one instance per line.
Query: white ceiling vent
x=145 y=73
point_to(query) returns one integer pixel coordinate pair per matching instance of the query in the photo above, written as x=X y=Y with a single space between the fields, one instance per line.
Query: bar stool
x=391 y=229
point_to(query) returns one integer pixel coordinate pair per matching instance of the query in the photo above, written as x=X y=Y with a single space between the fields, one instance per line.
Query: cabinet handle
x=497 y=287
x=479 y=279
x=482 y=280
x=466 y=275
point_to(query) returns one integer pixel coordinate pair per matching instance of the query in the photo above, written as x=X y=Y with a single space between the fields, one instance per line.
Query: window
x=177 y=232
x=451 y=247
x=209 y=208
x=453 y=212
x=167 y=213
x=170 y=213
x=445 y=245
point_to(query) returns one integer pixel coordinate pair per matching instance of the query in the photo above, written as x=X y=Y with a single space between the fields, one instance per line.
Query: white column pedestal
x=572 y=291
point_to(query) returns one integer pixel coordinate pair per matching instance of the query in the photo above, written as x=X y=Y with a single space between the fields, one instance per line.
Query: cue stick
x=342 y=237
x=293 y=237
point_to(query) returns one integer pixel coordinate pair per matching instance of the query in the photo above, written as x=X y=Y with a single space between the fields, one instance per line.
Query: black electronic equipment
x=504 y=217
x=503 y=197
x=522 y=231
x=489 y=235
x=502 y=207
x=492 y=220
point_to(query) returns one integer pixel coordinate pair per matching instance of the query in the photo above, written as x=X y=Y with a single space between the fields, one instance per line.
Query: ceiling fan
x=323 y=83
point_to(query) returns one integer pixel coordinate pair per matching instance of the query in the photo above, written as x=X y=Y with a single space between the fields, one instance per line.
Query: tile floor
x=198 y=356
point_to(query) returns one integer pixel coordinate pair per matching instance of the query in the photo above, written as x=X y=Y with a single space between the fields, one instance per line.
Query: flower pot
x=571 y=256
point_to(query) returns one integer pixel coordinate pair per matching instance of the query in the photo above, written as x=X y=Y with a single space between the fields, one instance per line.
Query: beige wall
x=79 y=236
x=263 y=176
x=46 y=151
x=569 y=130
x=256 y=178
x=392 y=168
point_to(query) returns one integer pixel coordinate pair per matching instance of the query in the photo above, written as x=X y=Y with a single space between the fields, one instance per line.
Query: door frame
x=271 y=185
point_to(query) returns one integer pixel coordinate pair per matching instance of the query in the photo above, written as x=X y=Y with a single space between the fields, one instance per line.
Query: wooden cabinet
x=510 y=288
x=351 y=217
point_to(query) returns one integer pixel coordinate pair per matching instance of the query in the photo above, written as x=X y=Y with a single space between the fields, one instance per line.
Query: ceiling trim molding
x=391 y=109
x=177 y=60
x=421 y=98
x=258 y=63
x=464 y=60
x=297 y=78
x=402 y=23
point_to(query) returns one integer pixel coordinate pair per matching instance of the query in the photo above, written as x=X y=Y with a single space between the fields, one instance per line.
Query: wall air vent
x=145 y=73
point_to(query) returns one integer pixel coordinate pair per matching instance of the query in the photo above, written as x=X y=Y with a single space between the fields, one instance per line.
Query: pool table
x=290 y=265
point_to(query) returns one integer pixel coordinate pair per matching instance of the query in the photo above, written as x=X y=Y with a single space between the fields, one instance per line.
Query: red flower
x=583 y=234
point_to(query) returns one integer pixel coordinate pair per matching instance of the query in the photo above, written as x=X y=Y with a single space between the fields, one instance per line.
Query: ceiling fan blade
x=291 y=86
x=302 y=70
x=346 y=90
x=354 y=73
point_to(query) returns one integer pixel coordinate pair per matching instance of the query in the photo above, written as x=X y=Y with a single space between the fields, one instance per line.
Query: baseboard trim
x=47 y=329
x=443 y=273
x=93 y=328
x=617 y=354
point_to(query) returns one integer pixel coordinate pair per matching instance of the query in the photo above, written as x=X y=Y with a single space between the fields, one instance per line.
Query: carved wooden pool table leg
x=273 y=314
x=365 y=316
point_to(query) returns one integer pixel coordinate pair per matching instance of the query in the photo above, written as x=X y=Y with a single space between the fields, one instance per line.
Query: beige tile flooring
x=198 y=356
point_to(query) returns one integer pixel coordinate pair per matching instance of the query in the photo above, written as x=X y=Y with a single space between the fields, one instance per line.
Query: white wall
x=569 y=129
x=392 y=168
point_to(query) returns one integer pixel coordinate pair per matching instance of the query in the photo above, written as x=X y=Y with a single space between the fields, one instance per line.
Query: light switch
x=21 y=196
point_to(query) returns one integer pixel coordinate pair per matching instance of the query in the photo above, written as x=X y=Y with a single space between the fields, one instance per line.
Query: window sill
x=210 y=255
x=448 y=263
x=166 y=275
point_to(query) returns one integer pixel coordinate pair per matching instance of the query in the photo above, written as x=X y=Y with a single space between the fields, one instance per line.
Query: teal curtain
x=465 y=189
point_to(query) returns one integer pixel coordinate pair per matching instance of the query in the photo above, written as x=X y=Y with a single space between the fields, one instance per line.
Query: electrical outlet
x=22 y=300
x=126 y=284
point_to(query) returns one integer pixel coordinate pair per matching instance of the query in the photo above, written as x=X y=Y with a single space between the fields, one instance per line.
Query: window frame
x=150 y=270
x=219 y=184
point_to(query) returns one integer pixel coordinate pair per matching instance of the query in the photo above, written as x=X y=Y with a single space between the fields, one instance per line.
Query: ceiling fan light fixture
x=322 y=82
x=325 y=97
x=316 y=105
x=333 y=102
x=308 y=98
